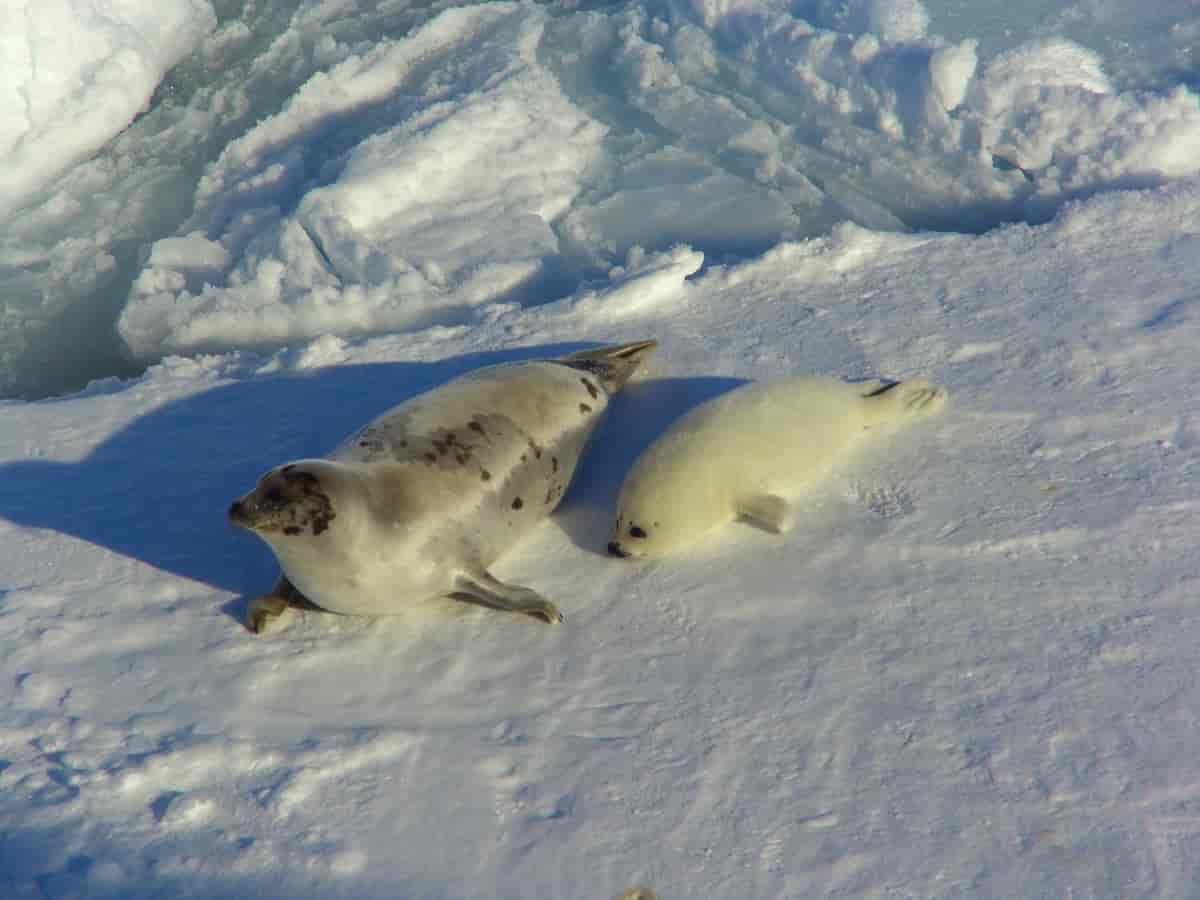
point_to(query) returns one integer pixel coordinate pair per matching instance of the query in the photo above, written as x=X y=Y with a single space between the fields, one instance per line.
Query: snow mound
x=75 y=72
x=466 y=151
x=354 y=168
x=503 y=153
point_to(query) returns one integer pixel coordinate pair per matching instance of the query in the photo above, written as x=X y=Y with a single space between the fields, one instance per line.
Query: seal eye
x=636 y=532
x=273 y=496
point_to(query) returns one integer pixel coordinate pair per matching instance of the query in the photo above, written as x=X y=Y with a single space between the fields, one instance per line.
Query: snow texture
x=76 y=72
x=968 y=670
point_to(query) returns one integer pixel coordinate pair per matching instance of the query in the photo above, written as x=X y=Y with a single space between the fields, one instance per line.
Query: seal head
x=293 y=500
x=657 y=515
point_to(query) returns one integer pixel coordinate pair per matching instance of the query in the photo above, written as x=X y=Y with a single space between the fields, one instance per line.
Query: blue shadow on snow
x=157 y=490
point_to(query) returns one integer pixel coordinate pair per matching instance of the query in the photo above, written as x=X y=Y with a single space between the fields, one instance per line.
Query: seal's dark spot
x=518 y=503
x=462 y=458
x=584 y=408
x=554 y=464
x=636 y=532
x=307 y=481
x=537 y=451
x=591 y=388
x=476 y=427
x=597 y=367
x=485 y=475
x=292 y=502
x=432 y=457
x=404 y=443
x=317 y=505
x=364 y=443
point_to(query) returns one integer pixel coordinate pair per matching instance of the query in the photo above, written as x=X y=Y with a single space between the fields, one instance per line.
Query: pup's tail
x=899 y=401
x=612 y=365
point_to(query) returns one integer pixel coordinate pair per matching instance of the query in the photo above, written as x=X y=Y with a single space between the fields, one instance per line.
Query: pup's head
x=658 y=515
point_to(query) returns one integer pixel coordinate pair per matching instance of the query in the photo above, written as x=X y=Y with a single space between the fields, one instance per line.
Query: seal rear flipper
x=919 y=397
x=914 y=398
x=481 y=588
x=767 y=511
x=874 y=386
x=612 y=365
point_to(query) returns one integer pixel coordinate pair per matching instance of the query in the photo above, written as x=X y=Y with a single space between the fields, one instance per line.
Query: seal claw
x=550 y=614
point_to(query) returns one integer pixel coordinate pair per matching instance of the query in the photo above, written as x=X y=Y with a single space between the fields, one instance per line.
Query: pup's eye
x=274 y=495
x=636 y=532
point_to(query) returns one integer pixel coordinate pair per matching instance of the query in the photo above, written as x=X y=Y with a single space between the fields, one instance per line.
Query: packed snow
x=969 y=669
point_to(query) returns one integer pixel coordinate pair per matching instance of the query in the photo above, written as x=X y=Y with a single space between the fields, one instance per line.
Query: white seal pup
x=738 y=454
x=422 y=500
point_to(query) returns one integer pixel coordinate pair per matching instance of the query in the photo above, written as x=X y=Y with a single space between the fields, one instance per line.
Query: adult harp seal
x=422 y=500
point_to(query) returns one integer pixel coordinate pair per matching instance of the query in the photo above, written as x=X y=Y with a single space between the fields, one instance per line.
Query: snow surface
x=971 y=668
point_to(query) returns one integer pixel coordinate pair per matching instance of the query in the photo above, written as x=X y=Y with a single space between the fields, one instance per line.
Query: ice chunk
x=75 y=72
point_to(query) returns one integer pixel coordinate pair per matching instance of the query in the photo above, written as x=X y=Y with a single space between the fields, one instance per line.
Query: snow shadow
x=33 y=864
x=158 y=489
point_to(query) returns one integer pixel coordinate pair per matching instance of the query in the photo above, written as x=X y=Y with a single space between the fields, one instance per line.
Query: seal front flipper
x=479 y=587
x=262 y=611
x=768 y=511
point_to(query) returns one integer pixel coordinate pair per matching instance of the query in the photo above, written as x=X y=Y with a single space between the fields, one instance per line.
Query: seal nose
x=614 y=549
x=237 y=511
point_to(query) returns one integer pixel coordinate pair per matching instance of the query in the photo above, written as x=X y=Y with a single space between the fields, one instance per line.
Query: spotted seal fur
x=422 y=500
